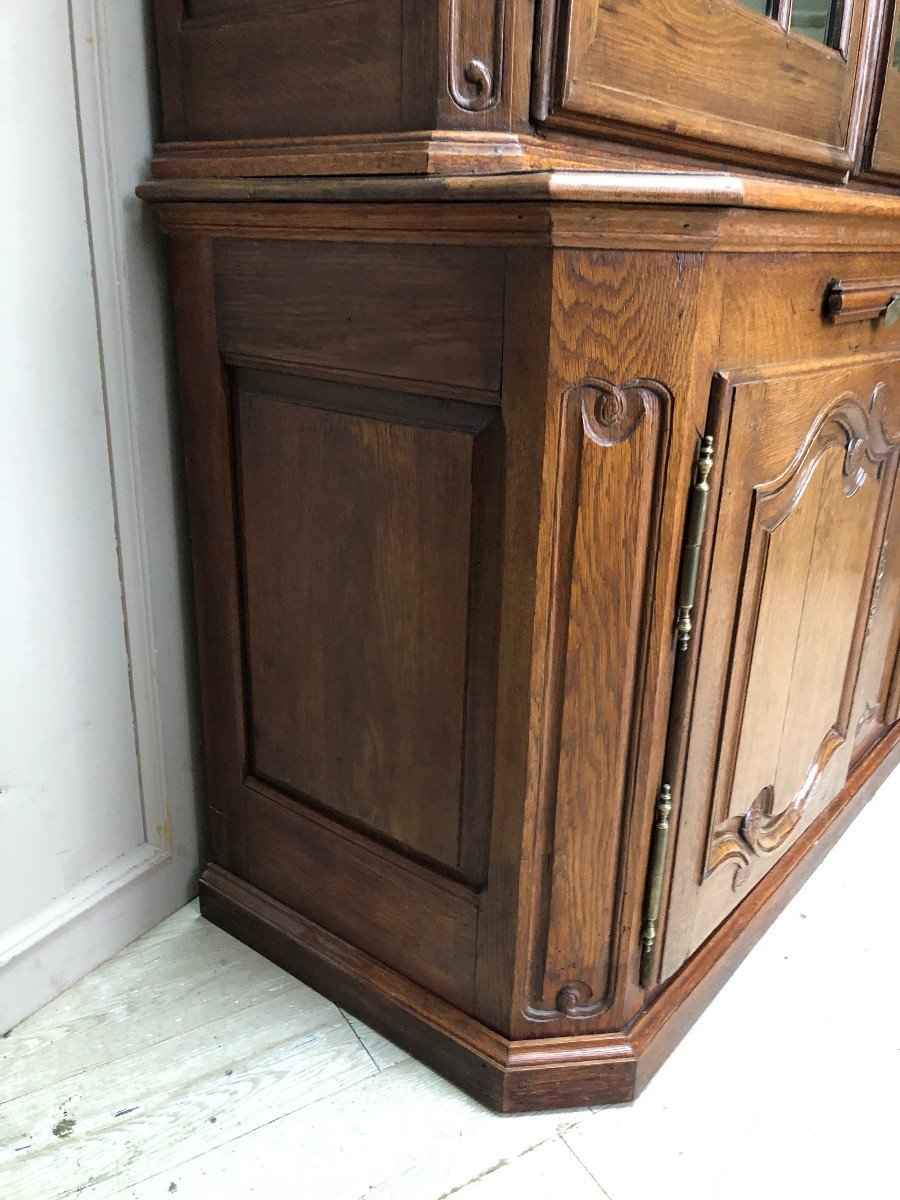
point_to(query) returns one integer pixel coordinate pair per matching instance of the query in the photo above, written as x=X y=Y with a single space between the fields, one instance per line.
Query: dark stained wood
x=246 y=68
x=405 y=312
x=441 y=438
x=206 y=429
x=369 y=529
x=404 y=915
x=545 y=1073
x=317 y=87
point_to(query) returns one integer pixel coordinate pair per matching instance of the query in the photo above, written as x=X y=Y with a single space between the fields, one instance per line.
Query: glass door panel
x=882 y=152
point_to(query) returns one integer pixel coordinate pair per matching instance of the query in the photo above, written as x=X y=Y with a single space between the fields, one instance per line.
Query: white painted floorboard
x=190 y=1066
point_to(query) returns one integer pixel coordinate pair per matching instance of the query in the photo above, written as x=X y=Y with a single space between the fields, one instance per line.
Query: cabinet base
x=540 y=1073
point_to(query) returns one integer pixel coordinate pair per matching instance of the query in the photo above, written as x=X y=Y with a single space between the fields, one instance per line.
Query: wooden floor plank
x=384 y=1053
x=101 y=1130
x=179 y=977
x=550 y=1169
x=405 y=1134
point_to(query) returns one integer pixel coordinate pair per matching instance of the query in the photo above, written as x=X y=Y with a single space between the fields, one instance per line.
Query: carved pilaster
x=475 y=66
x=611 y=453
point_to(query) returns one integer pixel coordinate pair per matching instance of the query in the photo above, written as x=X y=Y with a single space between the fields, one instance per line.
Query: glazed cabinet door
x=805 y=462
x=763 y=81
x=882 y=150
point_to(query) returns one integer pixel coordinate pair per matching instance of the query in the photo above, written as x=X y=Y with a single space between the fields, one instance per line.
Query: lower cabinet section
x=548 y=580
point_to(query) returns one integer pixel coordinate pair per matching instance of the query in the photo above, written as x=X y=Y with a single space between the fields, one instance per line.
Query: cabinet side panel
x=254 y=70
x=364 y=593
x=399 y=913
x=429 y=313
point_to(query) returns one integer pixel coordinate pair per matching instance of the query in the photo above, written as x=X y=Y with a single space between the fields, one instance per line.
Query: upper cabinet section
x=238 y=70
x=467 y=87
x=769 y=83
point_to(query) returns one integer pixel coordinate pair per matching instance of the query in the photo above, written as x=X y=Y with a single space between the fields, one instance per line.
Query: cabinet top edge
x=717 y=190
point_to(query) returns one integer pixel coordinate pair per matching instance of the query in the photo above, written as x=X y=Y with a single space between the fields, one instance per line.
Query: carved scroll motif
x=475 y=66
x=859 y=429
x=595 y=411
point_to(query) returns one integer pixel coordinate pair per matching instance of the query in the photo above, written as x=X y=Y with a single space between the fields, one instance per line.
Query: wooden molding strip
x=715 y=190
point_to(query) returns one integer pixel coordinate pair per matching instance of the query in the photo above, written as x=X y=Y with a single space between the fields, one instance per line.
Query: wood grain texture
x=594 y=749
x=236 y=69
x=412 y=312
x=642 y=76
x=369 y=529
x=772 y=740
x=446 y=530
x=403 y=914
x=464 y=86
x=513 y=1076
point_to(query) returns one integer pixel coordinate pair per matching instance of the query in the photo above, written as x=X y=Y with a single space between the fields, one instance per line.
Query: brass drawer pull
x=863 y=300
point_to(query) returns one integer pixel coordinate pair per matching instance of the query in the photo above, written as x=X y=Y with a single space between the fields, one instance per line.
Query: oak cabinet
x=514 y=745
x=542 y=482
x=263 y=88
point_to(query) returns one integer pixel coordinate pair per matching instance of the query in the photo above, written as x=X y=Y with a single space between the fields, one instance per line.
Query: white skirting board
x=43 y=955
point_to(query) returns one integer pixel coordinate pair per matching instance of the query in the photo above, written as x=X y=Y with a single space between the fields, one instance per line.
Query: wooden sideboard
x=542 y=472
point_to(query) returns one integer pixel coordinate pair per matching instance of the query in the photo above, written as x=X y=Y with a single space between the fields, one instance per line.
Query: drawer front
x=805 y=458
x=716 y=77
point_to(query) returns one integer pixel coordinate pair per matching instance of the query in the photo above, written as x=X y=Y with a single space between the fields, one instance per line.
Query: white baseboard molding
x=43 y=955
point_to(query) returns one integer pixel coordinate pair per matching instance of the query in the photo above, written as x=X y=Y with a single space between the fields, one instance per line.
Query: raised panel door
x=806 y=460
x=764 y=81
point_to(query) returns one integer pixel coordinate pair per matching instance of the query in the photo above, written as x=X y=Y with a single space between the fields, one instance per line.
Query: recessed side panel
x=235 y=69
x=368 y=524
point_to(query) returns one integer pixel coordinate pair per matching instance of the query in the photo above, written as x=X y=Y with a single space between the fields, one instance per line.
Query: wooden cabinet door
x=882 y=150
x=878 y=690
x=764 y=81
x=805 y=464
